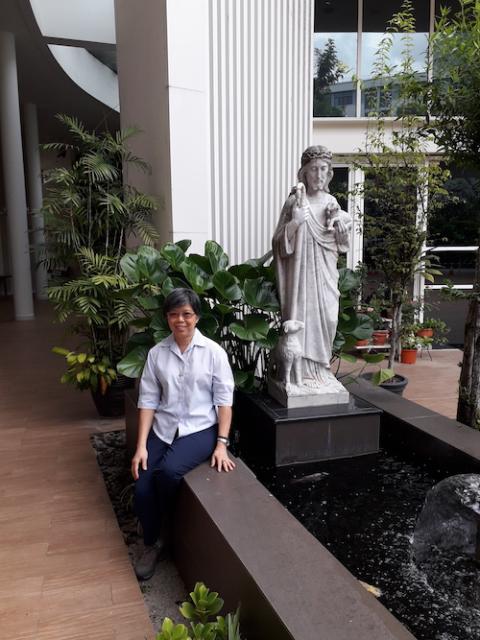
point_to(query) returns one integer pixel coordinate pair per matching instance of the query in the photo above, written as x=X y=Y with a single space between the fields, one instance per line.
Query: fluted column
x=14 y=179
x=35 y=195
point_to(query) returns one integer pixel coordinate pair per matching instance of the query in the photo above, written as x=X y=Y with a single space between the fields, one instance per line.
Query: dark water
x=364 y=511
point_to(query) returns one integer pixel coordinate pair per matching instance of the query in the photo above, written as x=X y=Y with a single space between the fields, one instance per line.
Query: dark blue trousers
x=156 y=487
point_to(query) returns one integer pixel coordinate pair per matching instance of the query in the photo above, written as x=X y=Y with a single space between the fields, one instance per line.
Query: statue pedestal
x=300 y=397
x=272 y=434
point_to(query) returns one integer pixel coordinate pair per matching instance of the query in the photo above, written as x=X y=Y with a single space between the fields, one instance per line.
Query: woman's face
x=182 y=321
x=316 y=175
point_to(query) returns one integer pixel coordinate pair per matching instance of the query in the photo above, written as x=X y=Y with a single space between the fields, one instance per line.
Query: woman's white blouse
x=184 y=388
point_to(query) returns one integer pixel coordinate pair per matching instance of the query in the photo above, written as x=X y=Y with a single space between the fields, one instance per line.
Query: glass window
x=335 y=58
x=376 y=15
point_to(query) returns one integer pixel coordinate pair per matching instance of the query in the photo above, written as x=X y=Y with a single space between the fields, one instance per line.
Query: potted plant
x=431 y=327
x=410 y=345
x=89 y=212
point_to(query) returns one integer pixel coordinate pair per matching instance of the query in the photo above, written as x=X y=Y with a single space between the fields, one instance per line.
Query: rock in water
x=450 y=520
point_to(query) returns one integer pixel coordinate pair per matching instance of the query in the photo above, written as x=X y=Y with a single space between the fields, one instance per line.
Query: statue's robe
x=307 y=281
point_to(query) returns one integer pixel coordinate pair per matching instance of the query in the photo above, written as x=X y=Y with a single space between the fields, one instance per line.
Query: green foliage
x=201 y=612
x=452 y=96
x=88 y=205
x=84 y=371
x=240 y=308
x=89 y=211
x=401 y=188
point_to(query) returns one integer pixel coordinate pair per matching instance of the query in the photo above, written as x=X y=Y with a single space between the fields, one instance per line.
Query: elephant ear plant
x=240 y=308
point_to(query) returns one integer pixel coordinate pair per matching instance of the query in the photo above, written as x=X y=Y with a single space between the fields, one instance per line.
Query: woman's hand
x=220 y=458
x=140 y=458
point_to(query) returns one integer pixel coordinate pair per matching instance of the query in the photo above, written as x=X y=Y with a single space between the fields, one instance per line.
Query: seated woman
x=185 y=402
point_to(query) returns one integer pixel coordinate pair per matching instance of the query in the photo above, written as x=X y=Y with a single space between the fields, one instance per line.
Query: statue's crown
x=315 y=152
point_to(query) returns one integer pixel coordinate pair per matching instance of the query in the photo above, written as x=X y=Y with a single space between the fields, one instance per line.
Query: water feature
x=365 y=510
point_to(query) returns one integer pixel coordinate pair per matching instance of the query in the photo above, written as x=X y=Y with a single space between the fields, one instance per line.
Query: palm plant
x=89 y=211
x=90 y=204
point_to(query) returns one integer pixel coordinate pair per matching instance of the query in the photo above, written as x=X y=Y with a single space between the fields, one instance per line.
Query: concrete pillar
x=35 y=195
x=14 y=179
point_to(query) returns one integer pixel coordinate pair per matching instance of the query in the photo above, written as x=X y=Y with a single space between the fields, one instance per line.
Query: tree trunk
x=468 y=410
x=395 y=335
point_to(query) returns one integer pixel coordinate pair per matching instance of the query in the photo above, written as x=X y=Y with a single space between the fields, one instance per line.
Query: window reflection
x=376 y=16
x=335 y=58
x=334 y=92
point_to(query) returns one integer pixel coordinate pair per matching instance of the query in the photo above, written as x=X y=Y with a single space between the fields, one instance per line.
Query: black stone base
x=271 y=434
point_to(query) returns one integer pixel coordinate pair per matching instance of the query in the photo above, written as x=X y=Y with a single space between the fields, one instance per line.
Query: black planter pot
x=111 y=404
x=396 y=384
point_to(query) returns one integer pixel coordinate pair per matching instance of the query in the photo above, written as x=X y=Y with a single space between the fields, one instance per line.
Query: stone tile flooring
x=65 y=570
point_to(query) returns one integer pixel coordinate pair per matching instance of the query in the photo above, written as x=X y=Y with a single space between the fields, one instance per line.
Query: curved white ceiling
x=81 y=20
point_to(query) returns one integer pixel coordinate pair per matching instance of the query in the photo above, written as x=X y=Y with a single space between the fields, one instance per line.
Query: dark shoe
x=147 y=562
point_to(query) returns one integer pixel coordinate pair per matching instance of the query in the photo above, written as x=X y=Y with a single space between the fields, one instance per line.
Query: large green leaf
x=260 y=294
x=149 y=303
x=140 y=338
x=270 y=341
x=173 y=254
x=216 y=256
x=145 y=265
x=252 y=327
x=128 y=264
x=170 y=284
x=243 y=271
x=202 y=261
x=183 y=244
x=347 y=321
x=197 y=278
x=382 y=375
x=364 y=328
x=227 y=285
x=208 y=325
x=132 y=364
x=348 y=280
x=373 y=358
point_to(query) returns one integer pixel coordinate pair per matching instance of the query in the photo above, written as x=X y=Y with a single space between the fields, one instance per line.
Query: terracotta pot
x=361 y=343
x=380 y=336
x=425 y=333
x=408 y=356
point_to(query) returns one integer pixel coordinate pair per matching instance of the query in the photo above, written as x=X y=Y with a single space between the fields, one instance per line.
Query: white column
x=35 y=195
x=356 y=178
x=14 y=179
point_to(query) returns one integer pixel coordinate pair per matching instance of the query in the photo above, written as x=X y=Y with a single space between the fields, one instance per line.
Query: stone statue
x=310 y=234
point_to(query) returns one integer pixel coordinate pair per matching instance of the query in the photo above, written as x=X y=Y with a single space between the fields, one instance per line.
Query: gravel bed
x=165 y=591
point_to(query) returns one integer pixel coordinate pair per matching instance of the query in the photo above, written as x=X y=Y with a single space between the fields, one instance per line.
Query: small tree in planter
x=89 y=211
x=401 y=187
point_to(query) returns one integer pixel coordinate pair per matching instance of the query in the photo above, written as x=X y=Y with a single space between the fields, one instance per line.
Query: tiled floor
x=65 y=572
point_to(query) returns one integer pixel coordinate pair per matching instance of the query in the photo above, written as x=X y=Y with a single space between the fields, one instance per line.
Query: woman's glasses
x=174 y=315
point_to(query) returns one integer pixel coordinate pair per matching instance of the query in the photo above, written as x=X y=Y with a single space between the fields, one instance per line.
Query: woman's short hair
x=179 y=298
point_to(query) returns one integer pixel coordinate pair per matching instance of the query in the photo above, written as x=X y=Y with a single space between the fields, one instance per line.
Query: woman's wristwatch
x=225 y=441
